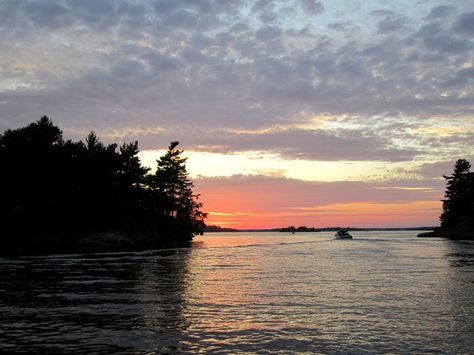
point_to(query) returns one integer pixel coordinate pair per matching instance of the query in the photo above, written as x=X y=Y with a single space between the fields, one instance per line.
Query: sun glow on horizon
x=210 y=164
x=359 y=214
x=252 y=190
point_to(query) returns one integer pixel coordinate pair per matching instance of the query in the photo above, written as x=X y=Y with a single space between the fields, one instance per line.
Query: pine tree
x=459 y=195
x=54 y=193
x=176 y=203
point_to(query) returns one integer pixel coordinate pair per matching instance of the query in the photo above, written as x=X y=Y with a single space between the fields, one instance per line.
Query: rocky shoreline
x=464 y=230
x=102 y=242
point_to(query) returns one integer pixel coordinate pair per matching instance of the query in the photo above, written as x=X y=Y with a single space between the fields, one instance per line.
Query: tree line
x=52 y=188
x=458 y=204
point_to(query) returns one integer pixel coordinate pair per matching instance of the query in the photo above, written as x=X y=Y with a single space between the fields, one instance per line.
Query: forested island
x=457 y=218
x=304 y=229
x=63 y=196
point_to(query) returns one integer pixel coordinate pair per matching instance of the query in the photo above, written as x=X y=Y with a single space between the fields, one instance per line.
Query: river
x=383 y=292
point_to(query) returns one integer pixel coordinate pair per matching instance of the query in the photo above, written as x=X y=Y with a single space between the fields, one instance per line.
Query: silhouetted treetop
x=459 y=195
x=63 y=190
x=174 y=189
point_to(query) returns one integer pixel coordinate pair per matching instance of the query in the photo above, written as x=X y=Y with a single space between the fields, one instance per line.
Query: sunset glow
x=252 y=202
x=358 y=214
x=291 y=112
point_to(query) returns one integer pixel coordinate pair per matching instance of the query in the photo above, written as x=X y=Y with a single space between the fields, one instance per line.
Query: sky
x=296 y=112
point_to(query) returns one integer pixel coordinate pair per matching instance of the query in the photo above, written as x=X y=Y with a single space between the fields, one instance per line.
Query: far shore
x=217 y=229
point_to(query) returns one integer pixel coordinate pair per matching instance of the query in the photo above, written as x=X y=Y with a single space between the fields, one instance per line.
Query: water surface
x=246 y=292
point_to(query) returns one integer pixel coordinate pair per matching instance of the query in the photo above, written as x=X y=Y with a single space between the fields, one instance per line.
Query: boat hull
x=343 y=235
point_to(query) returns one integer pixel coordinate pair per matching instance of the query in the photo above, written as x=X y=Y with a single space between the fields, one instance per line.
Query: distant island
x=61 y=196
x=457 y=218
x=304 y=229
x=213 y=229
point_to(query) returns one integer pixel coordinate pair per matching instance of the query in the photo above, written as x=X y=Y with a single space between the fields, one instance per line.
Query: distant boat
x=343 y=235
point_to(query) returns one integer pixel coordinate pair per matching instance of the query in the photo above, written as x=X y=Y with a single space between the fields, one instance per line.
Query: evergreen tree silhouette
x=178 y=209
x=55 y=191
x=459 y=195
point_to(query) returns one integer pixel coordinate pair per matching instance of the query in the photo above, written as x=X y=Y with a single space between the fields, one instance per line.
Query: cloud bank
x=240 y=65
x=388 y=84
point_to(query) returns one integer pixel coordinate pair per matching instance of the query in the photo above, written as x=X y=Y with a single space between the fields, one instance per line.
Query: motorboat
x=342 y=234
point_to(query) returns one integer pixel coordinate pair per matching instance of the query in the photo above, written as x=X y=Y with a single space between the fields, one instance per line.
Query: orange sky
x=309 y=112
x=261 y=202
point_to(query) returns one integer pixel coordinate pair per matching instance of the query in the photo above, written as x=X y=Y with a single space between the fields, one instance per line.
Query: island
x=457 y=218
x=64 y=196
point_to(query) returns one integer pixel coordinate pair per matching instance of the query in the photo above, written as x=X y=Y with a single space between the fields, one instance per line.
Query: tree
x=177 y=207
x=131 y=172
x=459 y=195
x=29 y=181
x=130 y=189
x=55 y=192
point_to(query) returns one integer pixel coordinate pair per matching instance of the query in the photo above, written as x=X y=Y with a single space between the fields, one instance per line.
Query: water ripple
x=390 y=293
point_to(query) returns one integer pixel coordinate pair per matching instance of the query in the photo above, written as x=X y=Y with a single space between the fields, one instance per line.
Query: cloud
x=324 y=193
x=348 y=28
x=300 y=79
x=464 y=24
x=310 y=145
x=238 y=65
x=312 y=6
x=391 y=22
x=320 y=203
x=440 y=12
x=434 y=37
x=436 y=170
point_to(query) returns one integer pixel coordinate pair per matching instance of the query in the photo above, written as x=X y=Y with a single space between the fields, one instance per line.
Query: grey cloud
x=200 y=41
x=265 y=10
x=338 y=26
x=293 y=144
x=200 y=6
x=434 y=37
x=441 y=34
x=48 y=13
x=165 y=6
x=438 y=169
x=391 y=24
x=204 y=64
x=383 y=12
x=460 y=78
x=440 y=12
x=97 y=14
x=464 y=24
x=23 y=18
x=182 y=18
x=391 y=21
x=268 y=33
x=461 y=140
x=312 y=6
x=347 y=28
x=128 y=16
x=239 y=27
x=128 y=68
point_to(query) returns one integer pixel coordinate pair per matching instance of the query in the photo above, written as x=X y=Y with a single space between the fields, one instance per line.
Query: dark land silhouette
x=61 y=196
x=457 y=218
x=305 y=229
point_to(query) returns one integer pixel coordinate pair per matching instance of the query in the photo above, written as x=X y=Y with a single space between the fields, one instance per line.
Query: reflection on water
x=383 y=292
x=97 y=302
x=461 y=253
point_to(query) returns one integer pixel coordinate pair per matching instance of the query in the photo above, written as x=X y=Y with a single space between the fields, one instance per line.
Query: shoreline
x=316 y=230
x=112 y=241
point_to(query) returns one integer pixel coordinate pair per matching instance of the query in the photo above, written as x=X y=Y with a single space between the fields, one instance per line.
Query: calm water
x=235 y=293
